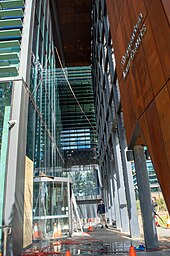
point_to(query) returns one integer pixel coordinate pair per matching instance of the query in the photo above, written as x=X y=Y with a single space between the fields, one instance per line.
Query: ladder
x=76 y=217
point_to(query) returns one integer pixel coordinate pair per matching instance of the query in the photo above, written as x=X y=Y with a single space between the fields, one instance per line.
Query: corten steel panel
x=146 y=80
x=121 y=38
x=166 y=5
x=146 y=134
x=168 y=86
x=163 y=109
x=153 y=61
x=148 y=77
x=139 y=6
x=160 y=158
x=161 y=33
x=140 y=85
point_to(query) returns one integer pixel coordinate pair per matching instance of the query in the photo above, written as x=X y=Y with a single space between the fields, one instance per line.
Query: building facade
x=142 y=55
x=37 y=134
x=30 y=112
x=116 y=173
x=53 y=69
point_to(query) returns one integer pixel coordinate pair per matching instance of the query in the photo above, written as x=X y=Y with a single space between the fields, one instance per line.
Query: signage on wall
x=133 y=45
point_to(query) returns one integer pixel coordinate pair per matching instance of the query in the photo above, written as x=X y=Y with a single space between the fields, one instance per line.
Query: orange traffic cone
x=90 y=228
x=59 y=229
x=68 y=253
x=132 y=251
x=167 y=221
x=55 y=232
x=35 y=232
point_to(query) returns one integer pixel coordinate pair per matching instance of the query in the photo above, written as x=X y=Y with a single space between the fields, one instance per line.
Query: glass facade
x=5 y=102
x=44 y=119
x=75 y=139
x=78 y=123
x=78 y=136
x=85 y=180
x=154 y=185
x=50 y=200
x=5 y=109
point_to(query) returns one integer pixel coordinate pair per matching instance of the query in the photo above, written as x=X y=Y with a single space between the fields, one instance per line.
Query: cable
x=36 y=88
x=43 y=121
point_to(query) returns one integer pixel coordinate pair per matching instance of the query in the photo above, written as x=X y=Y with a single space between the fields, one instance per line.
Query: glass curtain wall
x=78 y=137
x=50 y=205
x=44 y=121
x=5 y=103
x=5 y=109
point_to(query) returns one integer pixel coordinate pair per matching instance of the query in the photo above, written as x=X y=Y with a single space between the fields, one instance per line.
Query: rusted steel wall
x=140 y=31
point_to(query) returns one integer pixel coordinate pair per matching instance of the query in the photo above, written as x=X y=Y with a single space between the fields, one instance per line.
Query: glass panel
x=85 y=180
x=51 y=207
x=5 y=103
x=5 y=100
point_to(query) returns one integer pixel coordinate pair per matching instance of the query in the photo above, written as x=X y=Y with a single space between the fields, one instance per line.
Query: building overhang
x=72 y=31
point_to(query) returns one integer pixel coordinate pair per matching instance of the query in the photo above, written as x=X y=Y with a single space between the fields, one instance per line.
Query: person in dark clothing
x=154 y=205
x=101 y=211
x=155 y=208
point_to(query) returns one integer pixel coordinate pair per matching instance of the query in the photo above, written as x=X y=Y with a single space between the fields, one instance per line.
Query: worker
x=154 y=205
x=101 y=212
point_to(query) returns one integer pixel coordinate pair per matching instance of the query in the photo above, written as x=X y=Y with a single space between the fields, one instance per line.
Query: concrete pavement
x=100 y=241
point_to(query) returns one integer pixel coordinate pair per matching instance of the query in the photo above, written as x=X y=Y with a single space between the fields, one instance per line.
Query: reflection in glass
x=51 y=206
x=5 y=100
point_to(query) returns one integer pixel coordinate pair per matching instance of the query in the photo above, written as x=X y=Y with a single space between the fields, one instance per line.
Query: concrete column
x=116 y=204
x=128 y=181
x=112 y=200
x=150 y=234
x=14 y=200
x=131 y=201
x=109 y=208
x=120 y=184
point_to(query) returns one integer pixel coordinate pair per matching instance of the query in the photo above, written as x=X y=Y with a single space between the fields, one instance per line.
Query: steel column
x=116 y=204
x=121 y=189
x=129 y=185
x=150 y=234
